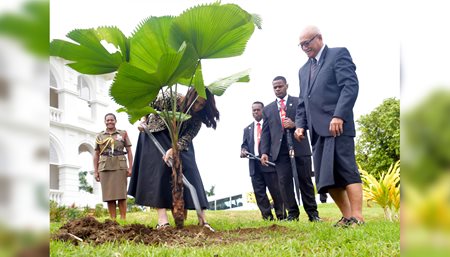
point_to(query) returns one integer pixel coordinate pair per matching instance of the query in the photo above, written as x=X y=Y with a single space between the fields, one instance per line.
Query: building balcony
x=56 y=196
x=55 y=114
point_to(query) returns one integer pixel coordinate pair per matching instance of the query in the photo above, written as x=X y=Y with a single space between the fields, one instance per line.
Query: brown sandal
x=342 y=223
x=354 y=222
x=162 y=226
x=206 y=225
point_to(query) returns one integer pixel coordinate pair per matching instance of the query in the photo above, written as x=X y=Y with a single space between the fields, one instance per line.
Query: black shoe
x=291 y=218
x=315 y=219
x=270 y=218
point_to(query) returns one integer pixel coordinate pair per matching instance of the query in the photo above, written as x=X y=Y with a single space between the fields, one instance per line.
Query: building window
x=53 y=92
x=54 y=169
x=4 y=89
x=54 y=177
x=5 y=191
x=236 y=201
x=212 y=205
x=223 y=204
x=83 y=89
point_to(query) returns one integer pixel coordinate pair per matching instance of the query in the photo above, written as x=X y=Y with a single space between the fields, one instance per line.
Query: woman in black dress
x=151 y=180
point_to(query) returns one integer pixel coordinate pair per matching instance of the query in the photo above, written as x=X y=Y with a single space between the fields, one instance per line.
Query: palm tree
x=163 y=53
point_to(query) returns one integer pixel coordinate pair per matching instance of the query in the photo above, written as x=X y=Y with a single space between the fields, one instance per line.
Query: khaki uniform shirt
x=111 y=148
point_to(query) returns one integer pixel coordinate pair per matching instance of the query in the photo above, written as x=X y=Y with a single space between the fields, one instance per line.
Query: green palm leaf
x=116 y=37
x=30 y=26
x=135 y=114
x=214 y=30
x=134 y=88
x=152 y=53
x=197 y=81
x=219 y=87
x=149 y=43
x=89 y=56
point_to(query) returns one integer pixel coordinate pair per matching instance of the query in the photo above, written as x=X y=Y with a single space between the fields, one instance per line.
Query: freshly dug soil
x=89 y=230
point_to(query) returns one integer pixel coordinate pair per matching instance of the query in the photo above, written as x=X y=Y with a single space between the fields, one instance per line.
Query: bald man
x=328 y=91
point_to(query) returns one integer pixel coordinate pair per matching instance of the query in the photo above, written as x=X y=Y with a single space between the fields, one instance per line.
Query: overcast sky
x=371 y=32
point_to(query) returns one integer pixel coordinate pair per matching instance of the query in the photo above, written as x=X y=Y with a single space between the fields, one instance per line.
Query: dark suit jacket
x=272 y=132
x=332 y=93
x=248 y=143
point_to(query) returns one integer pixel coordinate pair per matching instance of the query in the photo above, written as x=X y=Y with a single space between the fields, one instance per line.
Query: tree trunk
x=177 y=181
x=177 y=190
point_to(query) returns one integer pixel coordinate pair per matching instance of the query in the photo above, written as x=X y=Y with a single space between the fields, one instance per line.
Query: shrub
x=55 y=213
x=73 y=213
x=63 y=213
x=385 y=191
x=100 y=211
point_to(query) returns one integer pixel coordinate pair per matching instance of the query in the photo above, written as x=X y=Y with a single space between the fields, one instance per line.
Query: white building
x=23 y=138
x=77 y=106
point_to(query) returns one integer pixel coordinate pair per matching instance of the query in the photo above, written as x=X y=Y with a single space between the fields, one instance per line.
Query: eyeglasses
x=307 y=42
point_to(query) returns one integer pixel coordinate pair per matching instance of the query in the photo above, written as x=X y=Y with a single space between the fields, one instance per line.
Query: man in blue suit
x=328 y=91
x=262 y=177
x=279 y=118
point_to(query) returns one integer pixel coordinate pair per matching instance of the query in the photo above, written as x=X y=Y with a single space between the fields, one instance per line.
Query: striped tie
x=282 y=112
x=314 y=68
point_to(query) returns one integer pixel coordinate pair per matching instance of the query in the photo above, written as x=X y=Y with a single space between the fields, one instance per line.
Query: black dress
x=151 y=180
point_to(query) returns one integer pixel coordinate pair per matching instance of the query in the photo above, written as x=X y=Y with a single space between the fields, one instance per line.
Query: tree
x=378 y=145
x=84 y=185
x=211 y=191
x=163 y=53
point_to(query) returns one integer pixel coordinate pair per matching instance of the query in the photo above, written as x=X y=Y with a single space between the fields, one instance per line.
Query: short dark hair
x=112 y=114
x=258 y=102
x=280 y=78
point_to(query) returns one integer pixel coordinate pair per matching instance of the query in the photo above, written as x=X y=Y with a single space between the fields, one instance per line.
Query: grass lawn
x=303 y=238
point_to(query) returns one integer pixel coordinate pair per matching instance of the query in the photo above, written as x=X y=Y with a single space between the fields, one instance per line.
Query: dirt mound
x=89 y=230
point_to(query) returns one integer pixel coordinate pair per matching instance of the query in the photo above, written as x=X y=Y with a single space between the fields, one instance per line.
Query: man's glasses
x=307 y=42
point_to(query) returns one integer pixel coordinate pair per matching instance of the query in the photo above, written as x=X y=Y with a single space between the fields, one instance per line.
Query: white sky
x=371 y=31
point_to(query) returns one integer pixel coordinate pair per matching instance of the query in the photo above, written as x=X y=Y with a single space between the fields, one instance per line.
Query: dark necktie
x=314 y=68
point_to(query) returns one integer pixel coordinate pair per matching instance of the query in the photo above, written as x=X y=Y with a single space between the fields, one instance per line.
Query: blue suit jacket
x=272 y=132
x=332 y=93
x=248 y=143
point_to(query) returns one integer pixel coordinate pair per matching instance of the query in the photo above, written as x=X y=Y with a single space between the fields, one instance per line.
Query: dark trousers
x=261 y=181
x=285 y=179
x=323 y=197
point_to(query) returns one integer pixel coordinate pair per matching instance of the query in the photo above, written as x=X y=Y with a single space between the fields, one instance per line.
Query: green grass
x=376 y=238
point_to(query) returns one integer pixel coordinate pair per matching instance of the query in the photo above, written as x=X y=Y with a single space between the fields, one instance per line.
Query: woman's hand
x=168 y=157
x=129 y=172
x=140 y=128
x=97 y=176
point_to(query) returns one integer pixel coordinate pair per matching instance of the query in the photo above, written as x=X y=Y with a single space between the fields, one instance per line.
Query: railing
x=56 y=195
x=55 y=114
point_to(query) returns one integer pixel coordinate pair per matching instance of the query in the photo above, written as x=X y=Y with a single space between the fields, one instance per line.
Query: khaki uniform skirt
x=113 y=177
